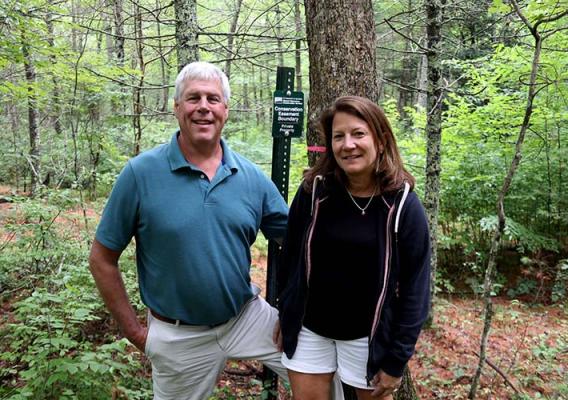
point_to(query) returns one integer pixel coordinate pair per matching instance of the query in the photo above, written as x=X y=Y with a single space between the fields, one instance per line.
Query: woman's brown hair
x=389 y=170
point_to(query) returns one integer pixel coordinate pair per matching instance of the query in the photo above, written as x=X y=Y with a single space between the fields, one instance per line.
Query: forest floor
x=527 y=349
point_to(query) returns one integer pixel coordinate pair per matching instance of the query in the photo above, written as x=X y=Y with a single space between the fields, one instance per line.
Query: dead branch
x=503 y=375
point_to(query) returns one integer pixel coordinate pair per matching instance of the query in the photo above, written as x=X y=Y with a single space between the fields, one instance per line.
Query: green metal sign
x=287 y=114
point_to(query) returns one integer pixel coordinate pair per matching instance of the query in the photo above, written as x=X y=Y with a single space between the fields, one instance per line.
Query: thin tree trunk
x=278 y=29
x=137 y=95
x=422 y=79
x=164 y=70
x=118 y=32
x=434 y=9
x=231 y=38
x=33 y=118
x=108 y=36
x=407 y=65
x=186 y=32
x=496 y=240
x=56 y=107
x=406 y=391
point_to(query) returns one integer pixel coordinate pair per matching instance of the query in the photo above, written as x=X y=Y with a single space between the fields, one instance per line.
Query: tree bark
x=164 y=69
x=422 y=83
x=186 y=32
x=231 y=38
x=137 y=95
x=33 y=118
x=342 y=62
x=407 y=68
x=341 y=41
x=118 y=32
x=278 y=30
x=434 y=9
x=406 y=391
x=56 y=107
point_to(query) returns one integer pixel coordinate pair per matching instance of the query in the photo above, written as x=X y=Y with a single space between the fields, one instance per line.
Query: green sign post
x=288 y=120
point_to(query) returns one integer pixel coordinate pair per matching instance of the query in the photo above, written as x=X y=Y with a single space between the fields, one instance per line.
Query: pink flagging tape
x=316 y=149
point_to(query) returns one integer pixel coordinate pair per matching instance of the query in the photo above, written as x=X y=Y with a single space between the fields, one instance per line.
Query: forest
x=476 y=91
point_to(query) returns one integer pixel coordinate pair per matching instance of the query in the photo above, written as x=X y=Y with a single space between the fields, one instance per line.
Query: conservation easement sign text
x=287 y=114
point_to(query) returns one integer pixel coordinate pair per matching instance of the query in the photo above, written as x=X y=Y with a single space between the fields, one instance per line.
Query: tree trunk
x=406 y=390
x=422 y=83
x=55 y=112
x=33 y=118
x=164 y=69
x=118 y=32
x=407 y=68
x=278 y=30
x=231 y=38
x=341 y=41
x=434 y=10
x=186 y=32
x=137 y=95
x=342 y=62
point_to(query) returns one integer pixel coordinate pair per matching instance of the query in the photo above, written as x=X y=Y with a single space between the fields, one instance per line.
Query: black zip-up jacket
x=404 y=283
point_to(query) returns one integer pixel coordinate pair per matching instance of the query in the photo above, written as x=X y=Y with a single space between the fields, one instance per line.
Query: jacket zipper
x=381 y=300
x=308 y=251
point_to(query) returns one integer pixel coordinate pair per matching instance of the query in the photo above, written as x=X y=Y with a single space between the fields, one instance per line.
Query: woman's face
x=354 y=146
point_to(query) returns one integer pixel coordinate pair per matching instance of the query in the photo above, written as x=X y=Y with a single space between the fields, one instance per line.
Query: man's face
x=201 y=111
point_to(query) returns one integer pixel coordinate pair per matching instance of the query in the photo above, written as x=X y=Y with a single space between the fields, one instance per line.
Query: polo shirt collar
x=178 y=161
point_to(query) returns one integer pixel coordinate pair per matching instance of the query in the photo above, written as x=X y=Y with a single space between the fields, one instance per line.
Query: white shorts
x=317 y=354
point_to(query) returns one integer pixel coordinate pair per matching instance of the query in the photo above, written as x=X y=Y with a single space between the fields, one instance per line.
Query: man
x=194 y=207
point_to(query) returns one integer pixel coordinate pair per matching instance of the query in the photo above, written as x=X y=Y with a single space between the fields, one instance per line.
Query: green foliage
x=58 y=345
x=523 y=238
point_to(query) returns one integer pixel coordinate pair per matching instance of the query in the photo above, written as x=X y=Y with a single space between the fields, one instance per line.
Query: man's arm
x=103 y=263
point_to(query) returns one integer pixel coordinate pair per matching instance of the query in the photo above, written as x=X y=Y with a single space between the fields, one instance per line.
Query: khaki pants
x=187 y=360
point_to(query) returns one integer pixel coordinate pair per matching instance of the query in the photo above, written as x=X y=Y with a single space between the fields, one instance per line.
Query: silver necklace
x=366 y=205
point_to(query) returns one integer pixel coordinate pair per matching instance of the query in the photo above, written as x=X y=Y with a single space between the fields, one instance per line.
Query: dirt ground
x=527 y=349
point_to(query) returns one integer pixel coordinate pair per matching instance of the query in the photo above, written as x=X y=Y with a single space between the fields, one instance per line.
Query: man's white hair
x=202 y=71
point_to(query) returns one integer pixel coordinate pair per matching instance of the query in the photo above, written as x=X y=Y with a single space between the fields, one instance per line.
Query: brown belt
x=168 y=320
x=178 y=321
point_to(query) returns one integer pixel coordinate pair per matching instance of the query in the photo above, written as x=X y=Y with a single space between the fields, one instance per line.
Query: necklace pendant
x=362 y=212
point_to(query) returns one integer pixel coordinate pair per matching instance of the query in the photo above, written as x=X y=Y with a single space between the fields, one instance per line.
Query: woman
x=355 y=271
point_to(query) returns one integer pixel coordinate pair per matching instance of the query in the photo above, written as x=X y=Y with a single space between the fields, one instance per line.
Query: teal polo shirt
x=193 y=236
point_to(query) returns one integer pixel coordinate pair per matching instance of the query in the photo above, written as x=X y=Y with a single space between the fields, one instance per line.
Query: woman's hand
x=384 y=384
x=277 y=336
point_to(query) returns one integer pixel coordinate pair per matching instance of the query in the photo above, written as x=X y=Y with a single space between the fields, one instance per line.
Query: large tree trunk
x=33 y=118
x=433 y=131
x=341 y=41
x=342 y=62
x=186 y=32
